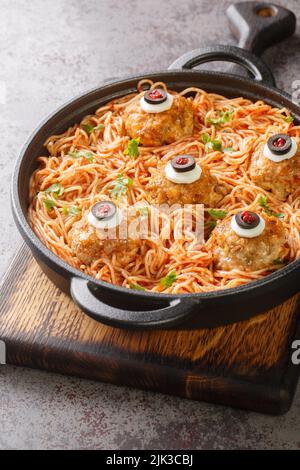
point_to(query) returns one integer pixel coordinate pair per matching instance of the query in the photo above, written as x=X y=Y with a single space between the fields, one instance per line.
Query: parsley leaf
x=225 y=116
x=133 y=148
x=49 y=204
x=56 y=189
x=89 y=156
x=168 y=280
x=288 y=119
x=217 y=213
x=90 y=129
x=211 y=224
x=263 y=202
x=73 y=210
x=211 y=144
x=87 y=128
x=277 y=261
x=136 y=287
x=120 y=186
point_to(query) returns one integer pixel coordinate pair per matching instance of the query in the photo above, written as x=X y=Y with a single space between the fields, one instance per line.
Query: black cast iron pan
x=258 y=26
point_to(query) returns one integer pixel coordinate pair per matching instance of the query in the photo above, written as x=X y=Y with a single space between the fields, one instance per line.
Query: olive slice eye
x=156 y=96
x=183 y=163
x=247 y=219
x=279 y=144
x=104 y=210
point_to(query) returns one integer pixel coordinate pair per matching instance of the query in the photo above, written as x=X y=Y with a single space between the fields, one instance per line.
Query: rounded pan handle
x=246 y=59
x=175 y=311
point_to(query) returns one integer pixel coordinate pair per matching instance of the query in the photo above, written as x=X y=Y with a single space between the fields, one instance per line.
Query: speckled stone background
x=54 y=49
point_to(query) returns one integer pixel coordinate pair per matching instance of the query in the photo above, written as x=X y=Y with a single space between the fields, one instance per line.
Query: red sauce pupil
x=182 y=161
x=155 y=94
x=104 y=210
x=280 y=142
x=248 y=218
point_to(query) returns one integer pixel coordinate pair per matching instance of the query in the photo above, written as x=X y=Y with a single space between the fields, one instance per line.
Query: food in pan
x=182 y=180
x=248 y=241
x=238 y=158
x=275 y=165
x=159 y=118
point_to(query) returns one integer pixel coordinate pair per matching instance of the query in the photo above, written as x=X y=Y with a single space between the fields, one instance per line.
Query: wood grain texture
x=245 y=365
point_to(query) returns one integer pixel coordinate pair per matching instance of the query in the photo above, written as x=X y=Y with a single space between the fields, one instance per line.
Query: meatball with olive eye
x=182 y=181
x=249 y=242
x=275 y=166
x=88 y=245
x=159 y=118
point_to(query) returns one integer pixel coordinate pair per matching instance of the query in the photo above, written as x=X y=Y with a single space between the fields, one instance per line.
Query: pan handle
x=172 y=313
x=259 y=25
x=246 y=59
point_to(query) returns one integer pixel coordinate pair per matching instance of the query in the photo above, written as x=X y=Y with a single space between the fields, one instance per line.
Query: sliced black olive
x=183 y=163
x=279 y=144
x=156 y=96
x=104 y=210
x=247 y=219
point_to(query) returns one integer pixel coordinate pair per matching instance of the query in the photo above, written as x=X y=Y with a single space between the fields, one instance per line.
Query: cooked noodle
x=86 y=182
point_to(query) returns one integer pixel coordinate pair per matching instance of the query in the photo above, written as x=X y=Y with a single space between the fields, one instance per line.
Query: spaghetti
x=84 y=164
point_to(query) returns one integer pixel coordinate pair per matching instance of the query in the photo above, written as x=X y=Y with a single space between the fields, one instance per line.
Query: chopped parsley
x=133 y=148
x=49 y=204
x=136 y=287
x=277 y=261
x=211 y=145
x=224 y=116
x=56 y=189
x=73 y=210
x=263 y=202
x=288 y=119
x=120 y=186
x=89 y=156
x=90 y=129
x=217 y=213
x=168 y=280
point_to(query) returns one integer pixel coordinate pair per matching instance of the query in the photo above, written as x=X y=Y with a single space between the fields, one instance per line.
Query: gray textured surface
x=51 y=50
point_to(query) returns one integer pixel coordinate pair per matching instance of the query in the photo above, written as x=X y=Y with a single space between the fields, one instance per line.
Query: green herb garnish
x=211 y=224
x=87 y=128
x=143 y=210
x=288 y=119
x=211 y=144
x=168 y=280
x=263 y=202
x=89 y=156
x=56 y=189
x=136 y=287
x=49 y=204
x=225 y=116
x=133 y=148
x=217 y=213
x=73 y=210
x=120 y=186
x=277 y=261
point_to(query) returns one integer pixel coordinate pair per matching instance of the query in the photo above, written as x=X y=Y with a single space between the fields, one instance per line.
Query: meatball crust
x=206 y=190
x=248 y=254
x=280 y=178
x=88 y=247
x=157 y=129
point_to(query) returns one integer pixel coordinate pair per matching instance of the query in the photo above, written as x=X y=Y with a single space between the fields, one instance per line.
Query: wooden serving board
x=246 y=365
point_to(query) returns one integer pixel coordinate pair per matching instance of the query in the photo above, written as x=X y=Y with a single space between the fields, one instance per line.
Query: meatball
x=281 y=178
x=88 y=247
x=156 y=129
x=206 y=190
x=230 y=251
